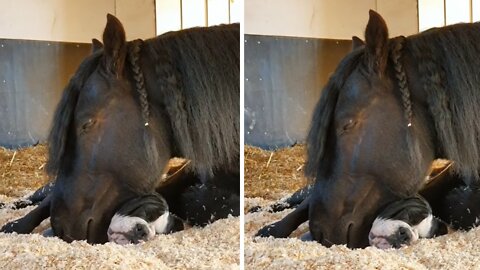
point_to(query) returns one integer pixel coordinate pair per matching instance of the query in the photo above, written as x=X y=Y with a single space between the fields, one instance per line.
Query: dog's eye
x=87 y=125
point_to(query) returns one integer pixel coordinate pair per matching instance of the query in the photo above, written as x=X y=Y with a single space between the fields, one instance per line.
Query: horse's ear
x=376 y=39
x=115 y=45
x=96 y=45
x=357 y=42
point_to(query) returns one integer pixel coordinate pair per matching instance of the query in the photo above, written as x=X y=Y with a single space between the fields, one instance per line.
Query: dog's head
x=403 y=222
x=141 y=218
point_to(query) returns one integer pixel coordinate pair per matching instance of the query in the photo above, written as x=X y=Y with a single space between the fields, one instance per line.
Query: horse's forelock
x=63 y=116
x=317 y=136
x=324 y=113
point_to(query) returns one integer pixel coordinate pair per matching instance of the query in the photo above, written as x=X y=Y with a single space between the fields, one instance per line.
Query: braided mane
x=448 y=68
x=397 y=45
x=133 y=56
x=196 y=81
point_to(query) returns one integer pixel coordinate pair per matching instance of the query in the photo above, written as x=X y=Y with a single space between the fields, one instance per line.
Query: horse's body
x=391 y=107
x=129 y=108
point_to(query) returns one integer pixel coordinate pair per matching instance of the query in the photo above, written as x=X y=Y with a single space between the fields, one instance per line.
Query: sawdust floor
x=270 y=176
x=21 y=172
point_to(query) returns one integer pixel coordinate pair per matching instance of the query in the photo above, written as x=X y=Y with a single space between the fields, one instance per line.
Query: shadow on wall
x=283 y=80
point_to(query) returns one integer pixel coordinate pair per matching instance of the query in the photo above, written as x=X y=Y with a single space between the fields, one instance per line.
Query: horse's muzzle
x=341 y=212
x=83 y=228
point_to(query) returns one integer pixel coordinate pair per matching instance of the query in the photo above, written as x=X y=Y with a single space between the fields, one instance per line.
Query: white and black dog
x=403 y=222
x=141 y=218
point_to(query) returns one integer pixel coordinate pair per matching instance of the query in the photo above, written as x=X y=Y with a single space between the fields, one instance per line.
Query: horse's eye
x=349 y=125
x=89 y=123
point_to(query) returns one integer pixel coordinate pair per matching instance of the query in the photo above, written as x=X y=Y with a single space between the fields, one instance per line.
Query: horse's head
x=368 y=145
x=100 y=149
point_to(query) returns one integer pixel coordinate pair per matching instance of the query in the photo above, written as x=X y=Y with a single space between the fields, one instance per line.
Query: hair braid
x=133 y=57
x=397 y=46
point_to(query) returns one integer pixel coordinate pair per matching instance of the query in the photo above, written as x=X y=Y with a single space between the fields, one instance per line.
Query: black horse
x=128 y=109
x=391 y=107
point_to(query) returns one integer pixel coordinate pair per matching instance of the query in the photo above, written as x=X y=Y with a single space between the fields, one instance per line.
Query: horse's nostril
x=317 y=235
x=88 y=229
x=349 y=231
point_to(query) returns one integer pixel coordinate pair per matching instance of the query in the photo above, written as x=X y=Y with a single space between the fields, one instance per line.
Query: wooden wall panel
x=431 y=13
x=138 y=17
x=400 y=15
x=56 y=20
x=336 y=19
x=218 y=12
x=73 y=21
x=457 y=11
x=168 y=15
x=193 y=13
x=475 y=10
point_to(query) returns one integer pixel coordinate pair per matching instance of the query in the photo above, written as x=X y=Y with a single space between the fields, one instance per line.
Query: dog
x=403 y=222
x=141 y=218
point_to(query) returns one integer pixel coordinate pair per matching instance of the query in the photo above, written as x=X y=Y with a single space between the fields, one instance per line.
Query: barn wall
x=332 y=19
x=291 y=48
x=73 y=21
x=41 y=46
x=438 y=13
x=283 y=80
x=181 y=14
x=32 y=76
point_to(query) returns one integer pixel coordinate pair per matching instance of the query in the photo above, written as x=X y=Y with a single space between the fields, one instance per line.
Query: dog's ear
x=175 y=224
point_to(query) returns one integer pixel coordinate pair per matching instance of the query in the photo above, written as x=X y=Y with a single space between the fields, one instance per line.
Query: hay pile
x=458 y=250
x=213 y=247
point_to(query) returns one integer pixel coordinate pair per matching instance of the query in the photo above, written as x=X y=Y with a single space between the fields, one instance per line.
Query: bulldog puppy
x=141 y=218
x=403 y=222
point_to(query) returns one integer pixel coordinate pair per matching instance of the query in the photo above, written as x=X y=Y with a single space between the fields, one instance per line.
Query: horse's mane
x=449 y=67
x=63 y=116
x=198 y=78
x=323 y=113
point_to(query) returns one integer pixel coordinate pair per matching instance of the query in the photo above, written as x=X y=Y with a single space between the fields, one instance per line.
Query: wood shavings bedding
x=265 y=184
x=213 y=247
x=457 y=250
x=21 y=172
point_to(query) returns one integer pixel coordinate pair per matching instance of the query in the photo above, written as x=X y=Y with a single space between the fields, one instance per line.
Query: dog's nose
x=403 y=235
x=141 y=231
